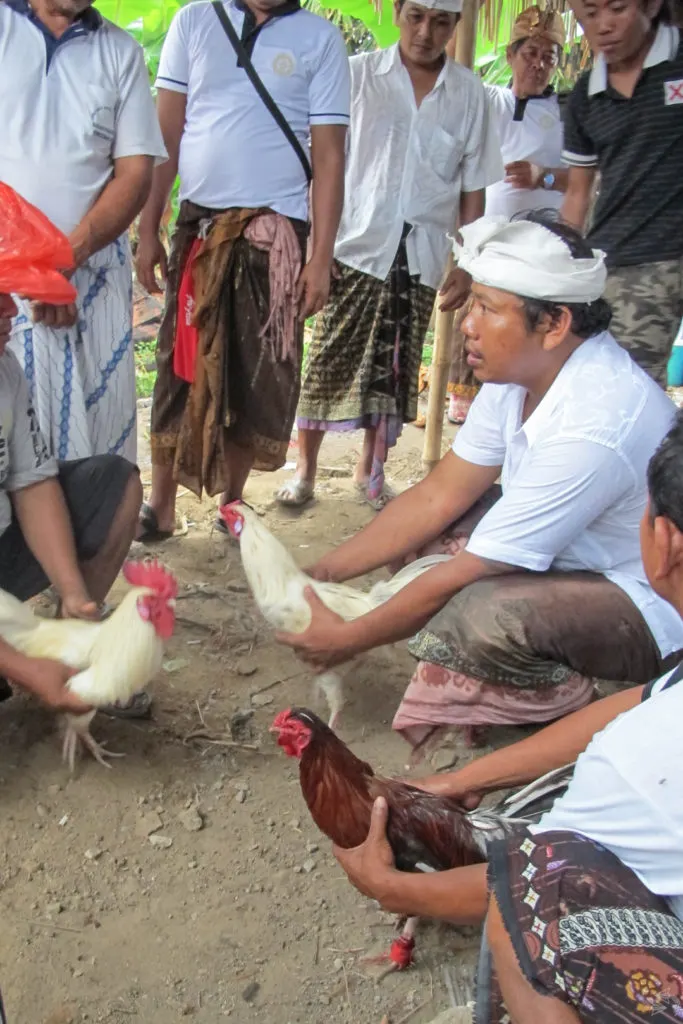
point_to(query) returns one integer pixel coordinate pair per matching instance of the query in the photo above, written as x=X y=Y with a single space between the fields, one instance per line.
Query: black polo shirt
x=637 y=145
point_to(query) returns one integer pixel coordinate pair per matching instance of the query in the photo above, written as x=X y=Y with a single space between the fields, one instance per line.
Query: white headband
x=452 y=6
x=528 y=260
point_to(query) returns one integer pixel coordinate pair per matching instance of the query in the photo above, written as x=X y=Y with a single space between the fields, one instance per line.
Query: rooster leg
x=77 y=731
x=400 y=954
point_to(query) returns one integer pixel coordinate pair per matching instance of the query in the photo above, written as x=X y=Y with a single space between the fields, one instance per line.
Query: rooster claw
x=98 y=750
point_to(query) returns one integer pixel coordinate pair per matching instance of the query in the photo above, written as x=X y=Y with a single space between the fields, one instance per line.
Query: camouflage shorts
x=647 y=302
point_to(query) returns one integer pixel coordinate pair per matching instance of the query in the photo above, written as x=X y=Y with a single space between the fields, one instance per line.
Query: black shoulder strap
x=244 y=61
x=674 y=678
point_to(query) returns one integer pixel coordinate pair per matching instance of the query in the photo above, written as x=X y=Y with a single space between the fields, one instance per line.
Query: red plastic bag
x=32 y=252
x=186 y=334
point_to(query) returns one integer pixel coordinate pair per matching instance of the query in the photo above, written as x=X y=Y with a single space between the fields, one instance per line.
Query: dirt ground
x=189 y=881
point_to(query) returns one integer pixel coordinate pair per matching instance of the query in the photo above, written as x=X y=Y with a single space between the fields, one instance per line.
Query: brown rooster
x=425 y=832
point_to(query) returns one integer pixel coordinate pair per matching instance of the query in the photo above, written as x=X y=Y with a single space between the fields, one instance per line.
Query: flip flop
x=150 y=525
x=295 y=493
x=139 y=706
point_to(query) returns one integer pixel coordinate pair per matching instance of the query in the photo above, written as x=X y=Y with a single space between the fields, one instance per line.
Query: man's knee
x=481 y=619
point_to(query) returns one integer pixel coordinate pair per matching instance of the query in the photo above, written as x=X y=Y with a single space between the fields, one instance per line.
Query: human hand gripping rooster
x=112 y=659
x=285 y=594
x=408 y=830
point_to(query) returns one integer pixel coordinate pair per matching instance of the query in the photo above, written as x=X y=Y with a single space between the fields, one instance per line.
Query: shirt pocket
x=100 y=117
x=441 y=151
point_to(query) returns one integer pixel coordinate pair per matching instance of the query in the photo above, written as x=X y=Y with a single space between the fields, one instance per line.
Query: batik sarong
x=82 y=379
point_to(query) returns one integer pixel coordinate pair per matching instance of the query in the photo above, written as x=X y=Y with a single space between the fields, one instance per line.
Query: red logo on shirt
x=673 y=92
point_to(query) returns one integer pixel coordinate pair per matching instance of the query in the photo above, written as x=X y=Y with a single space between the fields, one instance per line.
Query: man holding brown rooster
x=517 y=625
x=584 y=911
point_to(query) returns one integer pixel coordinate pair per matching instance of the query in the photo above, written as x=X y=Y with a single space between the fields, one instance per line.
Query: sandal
x=295 y=493
x=139 y=706
x=151 y=534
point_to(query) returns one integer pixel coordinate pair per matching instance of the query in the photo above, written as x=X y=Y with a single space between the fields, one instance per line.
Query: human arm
x=327 y=200
x=411 y=520
x=525 y=174
x=577 y=197
x=172 y=110
x=459 y=896
x=557 y=745
x=44 y=678
x=456 y=287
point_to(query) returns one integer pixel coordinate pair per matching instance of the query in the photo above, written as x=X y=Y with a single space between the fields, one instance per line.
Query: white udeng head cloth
x=528 y=260
x=452 y=6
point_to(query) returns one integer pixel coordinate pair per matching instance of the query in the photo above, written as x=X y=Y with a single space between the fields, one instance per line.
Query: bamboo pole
x=438 y=384
x=461 y=46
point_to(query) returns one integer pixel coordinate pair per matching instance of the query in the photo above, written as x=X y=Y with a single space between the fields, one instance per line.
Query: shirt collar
x=90 y=20
x=390 y=60
x=664 y=47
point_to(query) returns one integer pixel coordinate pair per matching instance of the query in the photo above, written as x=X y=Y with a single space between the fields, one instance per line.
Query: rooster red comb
x=151 y=573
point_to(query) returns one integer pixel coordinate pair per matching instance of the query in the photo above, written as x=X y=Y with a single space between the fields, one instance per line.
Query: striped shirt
x=636 y=144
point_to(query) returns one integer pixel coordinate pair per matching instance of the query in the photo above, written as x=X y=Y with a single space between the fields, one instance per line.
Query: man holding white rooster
x=69 y=524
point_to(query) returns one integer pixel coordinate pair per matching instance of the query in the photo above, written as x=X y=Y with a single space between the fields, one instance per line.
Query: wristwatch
x=549 y=181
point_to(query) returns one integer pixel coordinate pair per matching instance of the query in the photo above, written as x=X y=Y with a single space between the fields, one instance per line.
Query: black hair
x=664 y=15
x=665 y=476
x=588 y=318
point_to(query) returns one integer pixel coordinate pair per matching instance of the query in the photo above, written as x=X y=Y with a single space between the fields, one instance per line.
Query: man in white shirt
x=79 y=141
x=584 y=911
x=526 y=115
x=547 y=589
x=421 y=153
x=229 y=364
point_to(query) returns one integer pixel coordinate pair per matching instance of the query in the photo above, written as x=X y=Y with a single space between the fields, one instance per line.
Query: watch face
x=549 y=181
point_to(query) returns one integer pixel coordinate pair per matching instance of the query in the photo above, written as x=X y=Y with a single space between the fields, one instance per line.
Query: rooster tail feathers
x=535 y=799
x=386 y=589
x=152 y=574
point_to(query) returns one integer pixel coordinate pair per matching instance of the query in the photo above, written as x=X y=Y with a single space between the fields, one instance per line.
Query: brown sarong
x=242 y=394
x=522 y=648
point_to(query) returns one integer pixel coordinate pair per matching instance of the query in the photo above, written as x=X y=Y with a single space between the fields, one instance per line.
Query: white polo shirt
x=536 y=136
x=627 y=792
x=232 y=153
x=409 y=165
x=69 y=108
x=574 y=475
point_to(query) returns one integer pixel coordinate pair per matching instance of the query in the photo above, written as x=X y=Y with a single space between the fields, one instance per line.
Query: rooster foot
x=399 y=956
x=70 y=747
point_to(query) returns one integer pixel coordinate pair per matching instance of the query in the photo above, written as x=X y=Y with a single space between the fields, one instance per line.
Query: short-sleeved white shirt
x=536 y=137
x=409 y=165
x=232 y=152
x=69 y=109
x=574 y=475
x=627 y=792
x=24 y=458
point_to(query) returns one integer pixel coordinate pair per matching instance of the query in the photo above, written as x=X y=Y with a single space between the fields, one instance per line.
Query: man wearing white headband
x=546 y=591
x=422 y=150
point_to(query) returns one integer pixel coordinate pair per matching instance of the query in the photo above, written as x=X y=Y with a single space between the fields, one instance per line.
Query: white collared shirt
x=68 y=115
x=537 y=137
x=664 y=47
x=574 y=474
x=232 y=152
x=409 y=165
x=626 y=792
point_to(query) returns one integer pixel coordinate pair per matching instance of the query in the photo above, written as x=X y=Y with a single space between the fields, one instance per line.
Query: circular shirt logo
x=546 y=122
x=283 y=65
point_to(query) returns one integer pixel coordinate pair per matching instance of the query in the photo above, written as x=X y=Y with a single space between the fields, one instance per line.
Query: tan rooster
x=113 y=659
x=278 y=586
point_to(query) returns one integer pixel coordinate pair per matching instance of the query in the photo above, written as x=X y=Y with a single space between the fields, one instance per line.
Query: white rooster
x=278 y=584
x=113 y=659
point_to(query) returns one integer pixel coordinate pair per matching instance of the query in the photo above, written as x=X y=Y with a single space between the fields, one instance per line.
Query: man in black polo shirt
x=625 y=120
